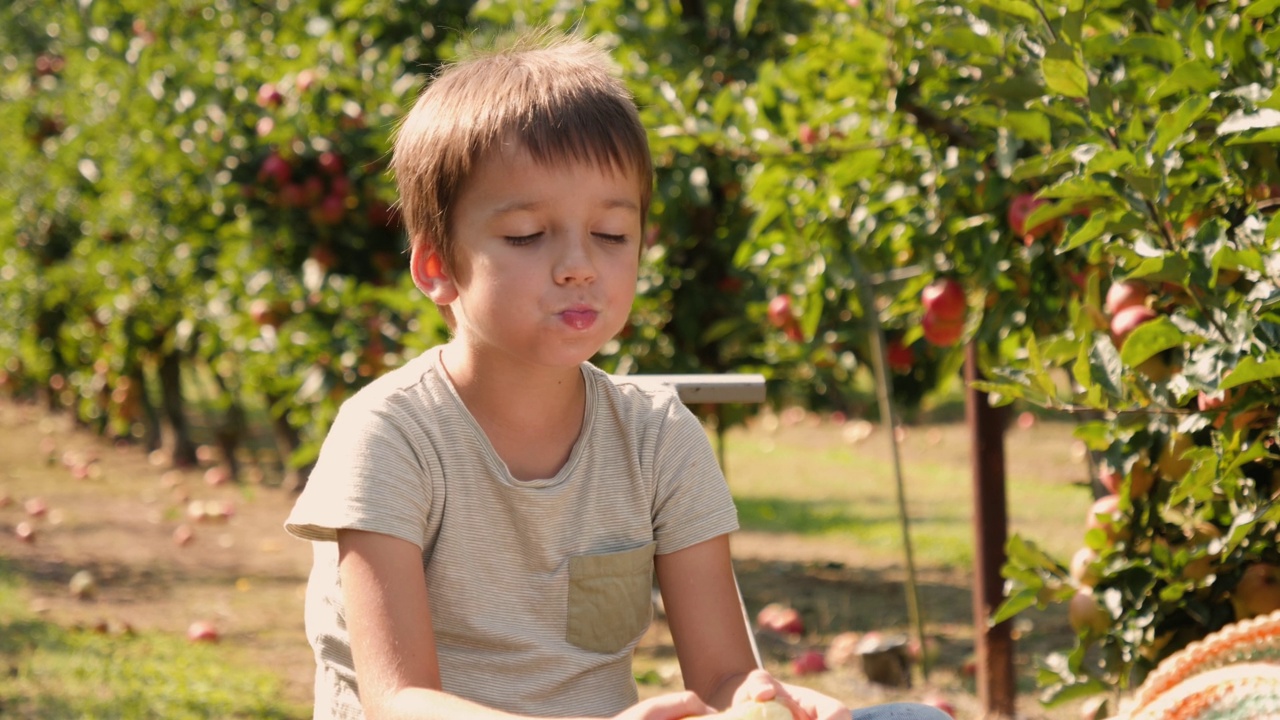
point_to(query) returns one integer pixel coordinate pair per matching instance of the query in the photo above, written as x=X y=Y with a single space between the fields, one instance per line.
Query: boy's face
x=545 y=258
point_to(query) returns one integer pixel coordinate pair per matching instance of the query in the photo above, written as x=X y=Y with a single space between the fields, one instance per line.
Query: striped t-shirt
x=539 y=589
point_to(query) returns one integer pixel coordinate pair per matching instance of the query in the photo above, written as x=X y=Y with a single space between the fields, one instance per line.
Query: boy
x=488 y=518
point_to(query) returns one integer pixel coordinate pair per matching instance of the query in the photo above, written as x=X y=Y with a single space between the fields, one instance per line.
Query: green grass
x=50 y=671
x=807 y=481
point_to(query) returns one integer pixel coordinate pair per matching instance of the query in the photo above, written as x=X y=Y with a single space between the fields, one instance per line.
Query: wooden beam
x=695 y=388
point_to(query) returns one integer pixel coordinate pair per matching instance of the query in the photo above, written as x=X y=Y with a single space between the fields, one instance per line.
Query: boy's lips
x=579 y=318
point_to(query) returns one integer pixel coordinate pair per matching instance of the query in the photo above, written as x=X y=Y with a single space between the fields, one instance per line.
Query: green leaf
x=1160 y=48
x=1192 y=76
x=744 y=14
x=1262 y=9
x=1273 y=228
x=1149 y=339
x=1017 y=602
x=1174 y=125
x=1251 y=369
x=1093 y=228
x=1017 y=8
x=1269 y=135
x=1063 y=73
x=1240 y=122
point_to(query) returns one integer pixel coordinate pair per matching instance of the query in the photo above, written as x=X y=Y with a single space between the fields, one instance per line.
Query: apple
x=1258 y=591
x=35 y=507
x=82 y=585
x=306 y=78
x=939 y=702
x=1171 y=462
x=780 y=312
x=269 y=95
x=330 y=211
x=25 y=532
x=779 y=618
x=809 y=662
x=183 y=535
x=751 y=710
x=806 y=134
x=1026 y=420
x=202 y=631
x=941 y=332
x=944 y=299
x=1087 y=615
x=331 y=162
x=843 y=649
x=1140 y=479
x=1083 y=569
x=1105 y=515
x=1127 y=293
x=263 y=312
x=900 y=357
x=275 y=169
x=217 y=475
x=1128 y=320
x=1019 y=210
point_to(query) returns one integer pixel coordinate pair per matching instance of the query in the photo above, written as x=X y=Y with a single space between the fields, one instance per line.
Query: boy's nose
x=575 y=264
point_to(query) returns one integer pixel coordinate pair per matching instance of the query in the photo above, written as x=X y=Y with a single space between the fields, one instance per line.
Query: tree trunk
x=230 y=429
x=287 y=442
x=176 y=431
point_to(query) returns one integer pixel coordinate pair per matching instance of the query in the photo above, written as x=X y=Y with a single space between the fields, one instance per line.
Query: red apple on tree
x=1019 y=210
x=944 y=299
x=269 y=96
x=1127 y=293
x=1258 y=591
x=330 y=211
x=276 y=169
x=900 y=356
x=780 y=312
x=940 y=331
x=331 y=162
x=1128 y=320
x=1087 y=615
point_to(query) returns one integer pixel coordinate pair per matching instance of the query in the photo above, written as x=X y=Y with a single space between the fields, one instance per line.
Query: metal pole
x=993 y=643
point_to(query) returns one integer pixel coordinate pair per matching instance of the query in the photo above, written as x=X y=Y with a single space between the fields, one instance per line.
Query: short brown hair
x=556 y=95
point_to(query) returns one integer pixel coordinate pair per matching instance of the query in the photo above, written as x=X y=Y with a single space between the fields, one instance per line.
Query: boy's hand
x=804 y=704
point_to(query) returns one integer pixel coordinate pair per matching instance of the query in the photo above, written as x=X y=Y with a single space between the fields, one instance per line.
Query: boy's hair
x=555 y=95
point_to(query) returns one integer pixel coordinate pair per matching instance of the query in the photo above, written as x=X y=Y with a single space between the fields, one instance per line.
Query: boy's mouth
x=579 y=318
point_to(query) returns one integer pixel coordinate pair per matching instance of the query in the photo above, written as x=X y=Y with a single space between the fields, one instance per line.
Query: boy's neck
x=514 y=394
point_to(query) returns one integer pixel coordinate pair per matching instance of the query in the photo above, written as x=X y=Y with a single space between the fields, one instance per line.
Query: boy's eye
x=611 y=238
x=522 y=239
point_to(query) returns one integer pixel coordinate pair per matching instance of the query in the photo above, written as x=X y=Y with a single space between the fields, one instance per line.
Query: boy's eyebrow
x=519 y=205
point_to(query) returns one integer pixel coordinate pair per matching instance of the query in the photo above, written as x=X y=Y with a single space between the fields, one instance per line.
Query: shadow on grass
x=816 y=517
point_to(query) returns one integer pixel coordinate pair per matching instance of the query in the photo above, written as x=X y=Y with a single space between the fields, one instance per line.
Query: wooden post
x=993 y=644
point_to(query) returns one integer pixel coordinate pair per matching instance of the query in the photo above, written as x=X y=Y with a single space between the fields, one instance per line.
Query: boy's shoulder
x=634 y=395
x=411 y=384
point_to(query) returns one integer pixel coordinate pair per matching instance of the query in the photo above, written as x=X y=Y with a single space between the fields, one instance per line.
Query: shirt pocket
x=610 y=598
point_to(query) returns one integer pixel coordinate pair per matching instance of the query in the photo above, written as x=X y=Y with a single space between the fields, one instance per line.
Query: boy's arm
x=393 y=645
x=704 y=612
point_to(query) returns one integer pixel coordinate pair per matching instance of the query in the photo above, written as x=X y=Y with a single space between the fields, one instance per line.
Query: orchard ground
x=816 y=498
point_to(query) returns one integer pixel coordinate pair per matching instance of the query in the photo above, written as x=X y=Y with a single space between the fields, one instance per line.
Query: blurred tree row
x=198 y=210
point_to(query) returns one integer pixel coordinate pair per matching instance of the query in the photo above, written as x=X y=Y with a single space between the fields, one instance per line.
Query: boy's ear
x=428 y=274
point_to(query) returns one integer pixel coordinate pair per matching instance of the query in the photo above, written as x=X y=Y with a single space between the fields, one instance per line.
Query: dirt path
x=111 y=511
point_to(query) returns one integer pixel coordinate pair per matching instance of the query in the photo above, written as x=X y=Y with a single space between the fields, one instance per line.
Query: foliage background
x=196 y=213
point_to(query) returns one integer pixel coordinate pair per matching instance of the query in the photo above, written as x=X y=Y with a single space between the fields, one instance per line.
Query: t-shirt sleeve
x=692 y=502
x=369 y=476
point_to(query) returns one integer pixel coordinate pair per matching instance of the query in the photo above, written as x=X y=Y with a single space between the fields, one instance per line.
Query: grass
x=52 y=671
x=808 y=480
